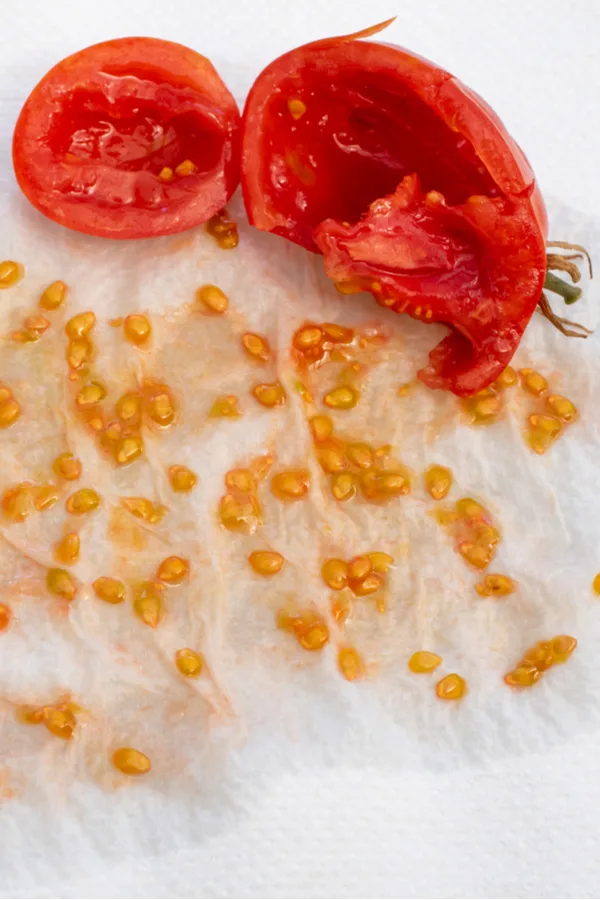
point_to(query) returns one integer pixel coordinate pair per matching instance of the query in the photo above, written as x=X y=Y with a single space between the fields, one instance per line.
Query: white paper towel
x=305 y=719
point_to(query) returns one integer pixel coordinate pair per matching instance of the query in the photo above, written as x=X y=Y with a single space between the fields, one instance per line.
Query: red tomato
x=411 y=188
x=96 y=133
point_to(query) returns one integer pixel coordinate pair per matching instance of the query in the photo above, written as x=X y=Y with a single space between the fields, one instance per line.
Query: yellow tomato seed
x=129 y=449
x=131 y=762
x=451 y=687
x=82 y=501
x=308 y=337
x=330 y=455
x=269 y=395
x=256 y=346
x=66 y=551
x=533 y=382
x=392 y=484
x=438 y=481
x=358 y=568
x=137 y=329
x=79 y=326
x=212 y=299
x=321 y=427
x=562 y=647
x=45 y=496
x=350 y=663
x=496 y=586
x=225 y=407
x=361 y=455
x=337 y=334
x=240 y=480
x=189 y=663
x=266 y=562
x=161 y=409
x=483 y=408
x=538 y=657
x=35 y=326
x=549 y=425
x=562 y=408
x=367 y=586
x=335 y=573
x=182 y=479
x=240 y=513
x=60 y=582
x=380 y=561
x=147 y=603
x=142 y=508
x=111 y=590
x=10 y=273
x=54 y=295
x=343 y=397
x=16 y=502
x=79 y=351
x=341 y=608
x=90 y=395
x=185 y=168
x=424 y=661
x=314 y=637
x=173 y=570
x=523 y=676
x=507 y=379
x=343 y=486
x=59 y=722
x=128 y=408
x=291 y=485
x=296 y=107
x=165 y=174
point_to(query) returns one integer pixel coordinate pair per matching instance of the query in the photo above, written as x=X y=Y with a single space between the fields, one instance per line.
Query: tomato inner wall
x=359 y=136
x=132 y=135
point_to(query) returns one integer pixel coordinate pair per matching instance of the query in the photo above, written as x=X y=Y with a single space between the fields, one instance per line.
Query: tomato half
x=411 y=188
x=98 y=142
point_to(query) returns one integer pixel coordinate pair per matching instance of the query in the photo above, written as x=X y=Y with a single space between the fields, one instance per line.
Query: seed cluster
x=539 y=658
x=354 y=466
x=474 y=533
x=223 y=230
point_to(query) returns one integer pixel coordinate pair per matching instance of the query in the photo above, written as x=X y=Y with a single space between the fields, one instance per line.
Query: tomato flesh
x=359 y=137
x=96 y=134
x=409 y=186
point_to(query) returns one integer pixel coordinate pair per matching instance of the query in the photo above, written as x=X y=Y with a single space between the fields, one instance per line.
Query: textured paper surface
x=274 y=723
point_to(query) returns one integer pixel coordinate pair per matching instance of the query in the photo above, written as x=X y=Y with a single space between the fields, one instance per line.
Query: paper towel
x=270 y=717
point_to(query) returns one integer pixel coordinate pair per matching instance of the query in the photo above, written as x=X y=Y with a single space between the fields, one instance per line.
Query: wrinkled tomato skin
x=455 y=226
x=97 y=130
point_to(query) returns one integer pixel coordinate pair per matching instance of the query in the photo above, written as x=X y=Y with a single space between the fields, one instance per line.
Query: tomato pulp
x=130 y=138
x=411 y=188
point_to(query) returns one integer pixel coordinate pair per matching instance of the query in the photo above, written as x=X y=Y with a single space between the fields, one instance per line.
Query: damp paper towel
x=265 y=706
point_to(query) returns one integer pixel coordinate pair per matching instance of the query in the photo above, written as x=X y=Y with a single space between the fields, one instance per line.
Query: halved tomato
x=411 y=188
x=130 y=138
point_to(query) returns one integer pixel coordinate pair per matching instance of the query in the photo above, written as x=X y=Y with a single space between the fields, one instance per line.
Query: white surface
x=524 y=825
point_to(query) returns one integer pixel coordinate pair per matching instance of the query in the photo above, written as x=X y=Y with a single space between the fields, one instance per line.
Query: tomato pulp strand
x=411 y=188
x=130 y=138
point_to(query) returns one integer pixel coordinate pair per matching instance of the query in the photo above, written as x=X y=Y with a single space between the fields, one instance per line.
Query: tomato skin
x=96 y=131
x=455 y=226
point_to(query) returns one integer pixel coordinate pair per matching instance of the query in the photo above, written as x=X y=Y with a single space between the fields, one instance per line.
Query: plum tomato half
x=409 y=185
x=130 y=138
